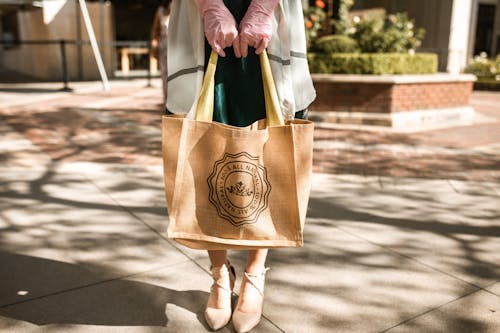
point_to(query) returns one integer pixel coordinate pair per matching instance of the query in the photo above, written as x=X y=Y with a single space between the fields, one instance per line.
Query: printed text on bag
x=239 y=188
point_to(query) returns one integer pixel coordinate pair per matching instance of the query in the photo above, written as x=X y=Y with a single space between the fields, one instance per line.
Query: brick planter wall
x=381 y=100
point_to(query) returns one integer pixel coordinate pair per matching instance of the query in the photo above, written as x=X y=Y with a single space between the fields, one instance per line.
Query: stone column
x=459 y=35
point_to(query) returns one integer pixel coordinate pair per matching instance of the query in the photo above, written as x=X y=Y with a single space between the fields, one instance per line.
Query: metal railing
x=62 y=49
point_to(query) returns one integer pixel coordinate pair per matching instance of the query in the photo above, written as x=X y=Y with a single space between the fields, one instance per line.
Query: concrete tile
x=478 y=312
x=475 y=188
x=65 y=219
x=322 y=182
x=17 y=153
x=494 y=288
x=97 y=329
x=340 y=283
x=416 y=184
x=15 y=326
x=453 y=232
x=171 y=299
x=139 y=189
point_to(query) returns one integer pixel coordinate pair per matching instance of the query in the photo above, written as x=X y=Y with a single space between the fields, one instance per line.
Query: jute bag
x=237 y=188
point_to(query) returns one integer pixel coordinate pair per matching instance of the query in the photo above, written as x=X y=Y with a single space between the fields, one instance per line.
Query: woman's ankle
x=255 y=269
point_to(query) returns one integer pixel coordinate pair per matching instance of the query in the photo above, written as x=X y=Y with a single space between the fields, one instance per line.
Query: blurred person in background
x=159 y=45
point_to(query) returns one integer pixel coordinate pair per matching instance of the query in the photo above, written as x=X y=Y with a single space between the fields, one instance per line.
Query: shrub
x=343 y=24
x=487 y=84
x=394 y=33
x=487 y=72
x=336 y=44
x=314 y=18
x=483 y=67
x=373 y=63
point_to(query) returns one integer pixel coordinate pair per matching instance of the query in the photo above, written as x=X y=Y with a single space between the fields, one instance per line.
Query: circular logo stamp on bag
x=239 y=188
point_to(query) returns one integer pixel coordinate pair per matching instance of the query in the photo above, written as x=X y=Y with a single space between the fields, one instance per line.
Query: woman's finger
x=229 y=39
x=236 y=47
x=243 y=46
x=264 y=43
x=220 y=44
x=217 y=48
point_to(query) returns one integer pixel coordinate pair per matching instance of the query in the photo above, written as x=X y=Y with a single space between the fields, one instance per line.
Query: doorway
x=483 y=40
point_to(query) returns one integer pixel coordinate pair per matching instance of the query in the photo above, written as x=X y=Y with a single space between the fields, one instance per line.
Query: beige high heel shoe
x=244 y=321
x=224 y=277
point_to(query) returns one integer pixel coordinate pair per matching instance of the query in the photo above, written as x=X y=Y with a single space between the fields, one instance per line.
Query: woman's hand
x=255 y=27
x=219 y=24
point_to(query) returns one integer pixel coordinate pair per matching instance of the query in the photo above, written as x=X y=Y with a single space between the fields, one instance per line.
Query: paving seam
x=491 y=292
x=129 y=211
x=91 y=284
x=453 y=187
x=410 y=258
x=429 y=311
x=477 y=288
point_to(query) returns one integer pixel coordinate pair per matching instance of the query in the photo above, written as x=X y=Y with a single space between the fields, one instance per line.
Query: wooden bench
x=125 y=61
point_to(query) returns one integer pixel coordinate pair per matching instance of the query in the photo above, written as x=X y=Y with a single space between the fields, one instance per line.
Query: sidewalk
x=403 y=229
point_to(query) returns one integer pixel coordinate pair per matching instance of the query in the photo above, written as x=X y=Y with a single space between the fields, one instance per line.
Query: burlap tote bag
x=237 y=188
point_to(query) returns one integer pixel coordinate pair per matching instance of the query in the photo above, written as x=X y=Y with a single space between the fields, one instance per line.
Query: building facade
x=43 y=25
x=455 y=29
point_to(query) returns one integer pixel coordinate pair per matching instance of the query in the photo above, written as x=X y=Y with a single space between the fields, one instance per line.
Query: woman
x=238 y=30
x=159 y=33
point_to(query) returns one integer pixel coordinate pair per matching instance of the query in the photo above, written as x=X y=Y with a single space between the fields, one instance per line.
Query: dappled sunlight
x=67 y=217
x=67 y=131
x=391 y=234
x=339 y=280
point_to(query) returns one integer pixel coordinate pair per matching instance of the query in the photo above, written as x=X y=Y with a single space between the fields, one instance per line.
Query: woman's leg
x=218 y=311
x=256 y=261
x=217 y=259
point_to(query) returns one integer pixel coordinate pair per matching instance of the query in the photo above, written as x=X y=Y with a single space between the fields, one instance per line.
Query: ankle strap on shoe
x=257 y=280
x=221 y=271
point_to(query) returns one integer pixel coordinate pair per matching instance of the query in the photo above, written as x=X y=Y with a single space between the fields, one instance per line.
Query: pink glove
x=255 y=27
x=219 y=24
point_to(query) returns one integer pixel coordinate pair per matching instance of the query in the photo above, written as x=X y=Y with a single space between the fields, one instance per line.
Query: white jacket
x=287 y=55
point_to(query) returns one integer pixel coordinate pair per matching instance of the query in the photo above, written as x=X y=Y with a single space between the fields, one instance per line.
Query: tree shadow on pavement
x=375 y=258
x=48 y=213
x=26 y=282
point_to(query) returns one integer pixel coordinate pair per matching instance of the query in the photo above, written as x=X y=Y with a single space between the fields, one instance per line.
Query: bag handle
x=205 y=106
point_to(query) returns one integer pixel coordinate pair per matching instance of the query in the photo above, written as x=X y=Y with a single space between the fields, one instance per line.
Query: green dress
x=239 y=92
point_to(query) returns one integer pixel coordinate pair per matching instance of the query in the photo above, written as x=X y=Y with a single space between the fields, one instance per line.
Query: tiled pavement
x=402 y=233
x=123 y=127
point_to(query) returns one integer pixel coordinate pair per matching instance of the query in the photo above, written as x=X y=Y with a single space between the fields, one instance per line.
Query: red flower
x=320 y=4
x=309 y=24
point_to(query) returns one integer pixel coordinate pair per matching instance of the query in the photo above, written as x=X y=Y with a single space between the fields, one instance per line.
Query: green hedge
x=373 y=63
x=336 y=44
x=487 y=84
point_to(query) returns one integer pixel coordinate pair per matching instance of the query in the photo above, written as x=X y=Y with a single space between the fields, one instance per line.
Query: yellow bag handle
x=205 y=105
